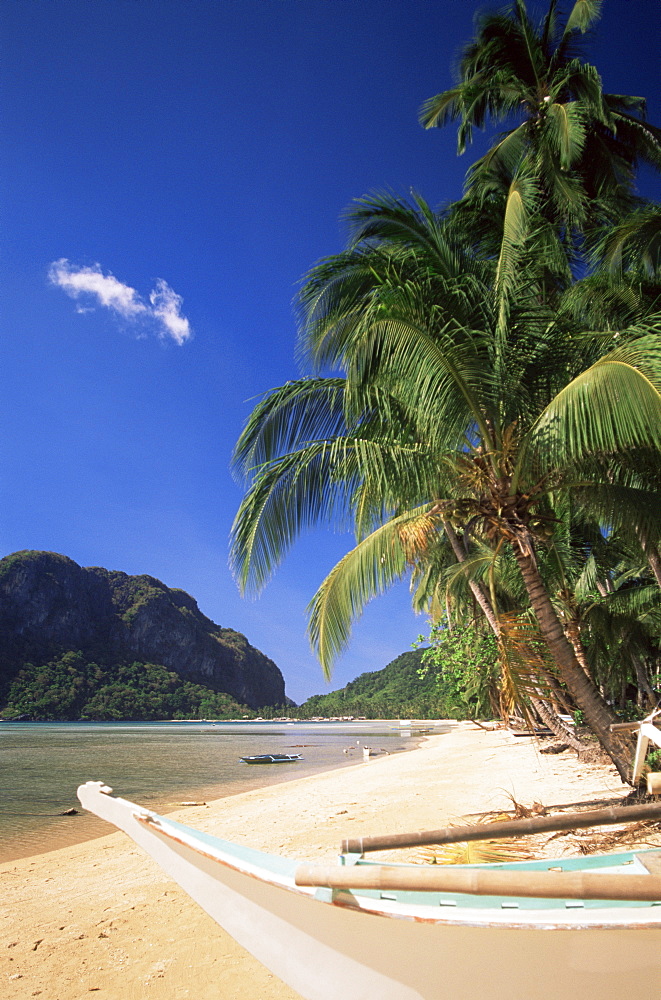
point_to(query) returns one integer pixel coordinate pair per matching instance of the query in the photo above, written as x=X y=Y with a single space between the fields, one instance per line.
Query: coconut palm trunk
x=652 y=556
x=655 y=564
x=545 y=711
x=646 y=693
x=476 y=589
x=597 y=714
x=572 y=632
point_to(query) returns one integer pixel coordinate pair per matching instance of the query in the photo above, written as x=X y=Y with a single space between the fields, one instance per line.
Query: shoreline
x=101 y=917
x=51 y=828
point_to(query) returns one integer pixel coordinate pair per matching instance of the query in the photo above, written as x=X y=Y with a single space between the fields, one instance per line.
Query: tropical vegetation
x=483 y=399
x=437 y=682
x=71 y=687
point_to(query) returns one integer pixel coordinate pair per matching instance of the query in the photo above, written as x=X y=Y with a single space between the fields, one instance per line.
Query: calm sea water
x=156 y=764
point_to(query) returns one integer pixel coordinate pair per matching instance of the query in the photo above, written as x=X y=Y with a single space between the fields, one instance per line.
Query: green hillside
x=397 y=691
x=71 y=686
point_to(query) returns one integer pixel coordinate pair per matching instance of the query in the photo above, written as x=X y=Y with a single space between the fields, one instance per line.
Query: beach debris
x=472 y=853
x=646 y=832
x=555 y=748
x=69 y=812
x=192 y=803
x=526 y=812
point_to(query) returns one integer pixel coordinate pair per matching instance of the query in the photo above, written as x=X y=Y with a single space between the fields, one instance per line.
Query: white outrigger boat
x=535 y=930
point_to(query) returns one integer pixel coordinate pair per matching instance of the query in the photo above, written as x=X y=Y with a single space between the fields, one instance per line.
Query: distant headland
x=91 y=643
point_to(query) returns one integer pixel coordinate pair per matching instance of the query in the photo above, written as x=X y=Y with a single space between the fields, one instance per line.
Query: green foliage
x=71 y=687
x=463 y=661
x=407 y=687
x=395 y=691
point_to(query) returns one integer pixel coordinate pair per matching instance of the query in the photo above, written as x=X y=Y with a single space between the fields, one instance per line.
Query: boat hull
x=327 y=945
x=272 y=759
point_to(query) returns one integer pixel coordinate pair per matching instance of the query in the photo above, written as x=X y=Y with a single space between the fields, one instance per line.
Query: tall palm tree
x=580 y=144
x=444 y=414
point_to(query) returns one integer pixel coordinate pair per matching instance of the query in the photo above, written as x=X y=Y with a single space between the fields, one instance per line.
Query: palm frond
x=519 y=209
x=634 y=243
x=471 y=852
x=304 y=410
x=287 y=496
x=366 y=571
x=497 y=165
x=442 y=108
x=613 y=406
x=566 y=128
x=583 y=15
x=525 y=662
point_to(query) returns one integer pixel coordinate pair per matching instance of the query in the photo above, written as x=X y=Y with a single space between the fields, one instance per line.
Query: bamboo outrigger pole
x=441 y=878
x=510 y=828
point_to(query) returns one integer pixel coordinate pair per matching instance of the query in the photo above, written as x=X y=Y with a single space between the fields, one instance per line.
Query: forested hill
x=93 y=643
x=398 y=690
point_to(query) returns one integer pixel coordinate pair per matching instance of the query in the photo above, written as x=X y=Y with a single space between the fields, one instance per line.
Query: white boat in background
x=588 y=927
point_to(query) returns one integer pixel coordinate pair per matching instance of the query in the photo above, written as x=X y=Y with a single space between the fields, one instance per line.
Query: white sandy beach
x=101 y=918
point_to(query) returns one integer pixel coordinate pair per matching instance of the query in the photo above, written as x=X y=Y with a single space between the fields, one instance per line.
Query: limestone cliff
x=49 y=605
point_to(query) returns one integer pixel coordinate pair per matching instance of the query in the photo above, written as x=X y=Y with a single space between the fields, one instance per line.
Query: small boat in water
x=272 y=758
x=535 y=930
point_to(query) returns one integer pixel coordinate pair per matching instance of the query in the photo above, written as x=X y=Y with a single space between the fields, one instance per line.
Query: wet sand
x=101 y=918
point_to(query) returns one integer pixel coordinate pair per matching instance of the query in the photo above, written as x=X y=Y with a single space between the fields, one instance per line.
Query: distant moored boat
x=272 y=758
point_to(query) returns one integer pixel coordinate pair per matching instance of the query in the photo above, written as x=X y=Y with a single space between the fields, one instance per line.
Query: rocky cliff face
x=50 y=604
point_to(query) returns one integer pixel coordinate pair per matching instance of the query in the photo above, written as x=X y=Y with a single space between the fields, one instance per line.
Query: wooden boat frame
x=364 y=943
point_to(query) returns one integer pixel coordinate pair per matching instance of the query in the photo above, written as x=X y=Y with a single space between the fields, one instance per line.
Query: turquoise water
x=157 y=764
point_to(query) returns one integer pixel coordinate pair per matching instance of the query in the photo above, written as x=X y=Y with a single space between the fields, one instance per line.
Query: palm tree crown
x=580 y=144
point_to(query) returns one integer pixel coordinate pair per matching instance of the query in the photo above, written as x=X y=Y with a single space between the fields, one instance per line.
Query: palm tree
x=604 y=593
x=580 y=144
x=446 y=414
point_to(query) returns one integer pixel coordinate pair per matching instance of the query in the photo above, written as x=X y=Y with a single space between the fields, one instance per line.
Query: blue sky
x=169 y=172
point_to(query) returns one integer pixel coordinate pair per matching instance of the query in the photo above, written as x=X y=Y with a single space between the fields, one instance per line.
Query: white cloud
x=90 y=283
x=166 y=307
x=110 y=292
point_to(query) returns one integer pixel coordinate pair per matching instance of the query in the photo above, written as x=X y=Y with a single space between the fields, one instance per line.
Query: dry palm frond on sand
x=480 y=852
